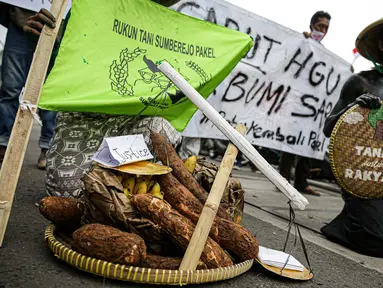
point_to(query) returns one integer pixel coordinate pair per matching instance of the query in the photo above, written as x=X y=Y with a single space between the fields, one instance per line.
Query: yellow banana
x=158 y=195
x=155 y=189
x=120 y=178
x=151 y=184
x=190 y=163
x=141 y=188
x=129 y=184
x=127 y=193
x=144 y=178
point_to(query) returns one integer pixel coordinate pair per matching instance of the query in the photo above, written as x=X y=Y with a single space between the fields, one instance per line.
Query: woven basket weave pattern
x=60 y=246
x=344 y=138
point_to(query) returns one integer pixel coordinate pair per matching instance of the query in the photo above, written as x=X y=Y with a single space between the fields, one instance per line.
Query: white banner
x=283 y=90
x=34 y=5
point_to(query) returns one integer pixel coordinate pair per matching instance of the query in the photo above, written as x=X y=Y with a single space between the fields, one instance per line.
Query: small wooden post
x=14 y=157
x=205 y=221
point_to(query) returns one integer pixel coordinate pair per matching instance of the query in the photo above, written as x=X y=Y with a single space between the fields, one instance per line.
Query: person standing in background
x=189 y=146
x=319 y=25
x=17 y=59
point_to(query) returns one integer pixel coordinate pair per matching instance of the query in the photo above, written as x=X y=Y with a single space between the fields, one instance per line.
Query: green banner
x=108 y=60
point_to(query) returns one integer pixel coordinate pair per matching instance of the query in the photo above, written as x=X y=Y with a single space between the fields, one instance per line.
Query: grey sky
x=348 y=19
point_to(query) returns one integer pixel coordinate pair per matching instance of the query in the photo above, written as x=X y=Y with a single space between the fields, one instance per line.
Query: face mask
x=317 y=35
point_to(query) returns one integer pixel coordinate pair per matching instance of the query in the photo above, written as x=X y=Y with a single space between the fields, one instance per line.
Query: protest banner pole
x=234 y=136
x=206 y=219
x=14 y=157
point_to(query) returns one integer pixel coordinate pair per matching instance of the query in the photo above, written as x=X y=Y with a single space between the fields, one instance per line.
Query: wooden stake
x=206 y=219
x=14 y=157
x=234 y=136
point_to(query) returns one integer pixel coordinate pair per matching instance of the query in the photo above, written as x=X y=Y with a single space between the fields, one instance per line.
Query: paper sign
x=278 y=259
x=117 y=151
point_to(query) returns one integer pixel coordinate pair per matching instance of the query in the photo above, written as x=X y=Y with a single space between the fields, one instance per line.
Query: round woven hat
x=367 y=43
x=356 y=152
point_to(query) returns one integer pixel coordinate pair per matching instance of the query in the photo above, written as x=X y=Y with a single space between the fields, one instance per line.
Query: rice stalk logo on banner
x=109 y=64
x=282 y=90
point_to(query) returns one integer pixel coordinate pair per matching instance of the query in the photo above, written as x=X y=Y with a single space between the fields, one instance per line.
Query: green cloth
x=108 y=56
x=374 y=116
x=56 y=47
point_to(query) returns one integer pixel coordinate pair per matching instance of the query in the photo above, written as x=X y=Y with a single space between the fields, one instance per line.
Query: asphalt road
x=25 y=260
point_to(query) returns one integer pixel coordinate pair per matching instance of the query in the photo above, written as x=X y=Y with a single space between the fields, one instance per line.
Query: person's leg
x=359 y=226
x=77 y=137
x=48 y=119
x=301 y=174
x=285 y=164
x=17 y=58
x=238 y=161
x=189 y=146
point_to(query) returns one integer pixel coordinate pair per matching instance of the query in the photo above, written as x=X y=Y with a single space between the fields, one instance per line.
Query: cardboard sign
x=356 y=152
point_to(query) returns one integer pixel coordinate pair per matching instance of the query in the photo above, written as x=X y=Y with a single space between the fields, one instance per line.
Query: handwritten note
x=117 y=151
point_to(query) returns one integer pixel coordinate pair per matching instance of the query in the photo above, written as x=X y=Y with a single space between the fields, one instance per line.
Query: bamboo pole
x=206 y=219
x=234 y=136
x=14 y=157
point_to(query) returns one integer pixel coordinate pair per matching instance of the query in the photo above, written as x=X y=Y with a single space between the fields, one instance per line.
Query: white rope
x=28 y=106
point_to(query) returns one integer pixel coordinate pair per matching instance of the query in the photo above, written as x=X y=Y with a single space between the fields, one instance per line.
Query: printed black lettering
x=115 y=26
x=123 y=29
x=171 y=45
x=179 y=47
x=157 y=43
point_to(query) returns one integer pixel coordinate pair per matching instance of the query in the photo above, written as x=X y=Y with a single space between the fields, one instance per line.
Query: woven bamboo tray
x=356 y=169
x=61 y=247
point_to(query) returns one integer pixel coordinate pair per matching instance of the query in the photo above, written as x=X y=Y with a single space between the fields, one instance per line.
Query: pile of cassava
x=148 y=220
